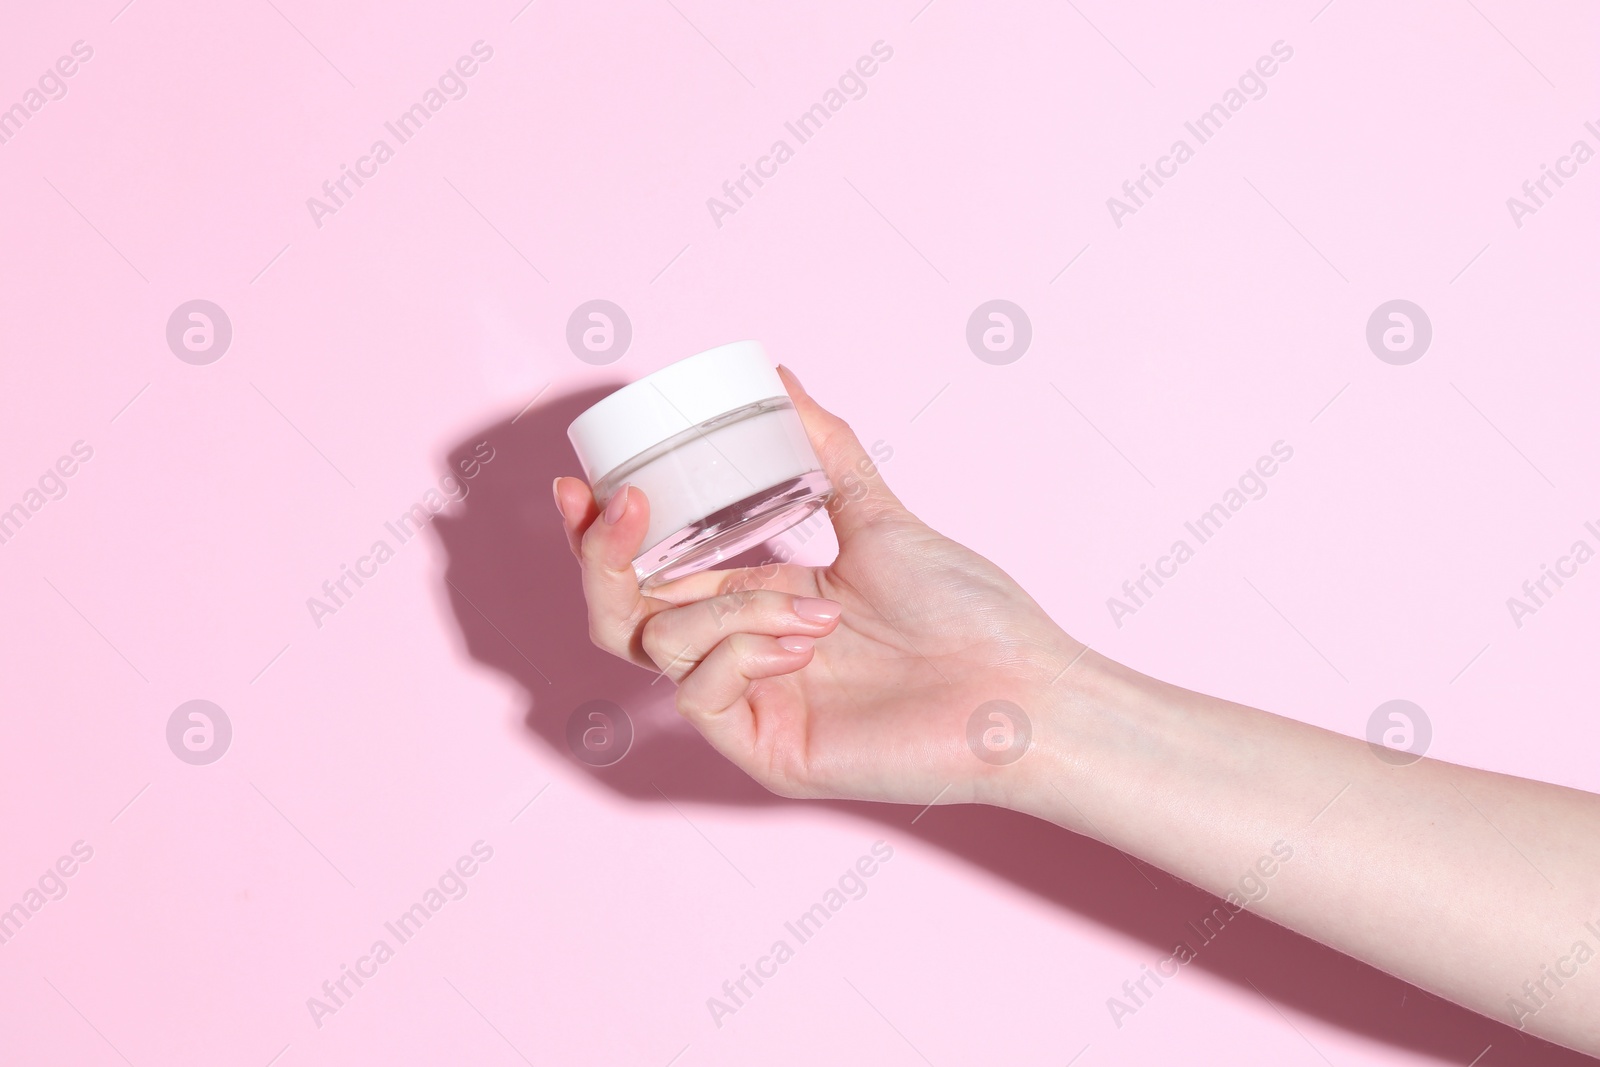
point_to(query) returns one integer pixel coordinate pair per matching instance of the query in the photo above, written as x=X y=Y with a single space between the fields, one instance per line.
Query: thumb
x=861 y=497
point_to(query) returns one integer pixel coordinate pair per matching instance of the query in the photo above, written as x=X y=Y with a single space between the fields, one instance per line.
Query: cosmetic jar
x=716 y=446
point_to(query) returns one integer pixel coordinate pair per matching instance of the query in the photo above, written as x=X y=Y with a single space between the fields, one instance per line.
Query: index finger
x=617 y=607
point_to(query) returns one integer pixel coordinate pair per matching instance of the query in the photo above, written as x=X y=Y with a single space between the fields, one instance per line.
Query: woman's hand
x=855 y=680
x=860 y=680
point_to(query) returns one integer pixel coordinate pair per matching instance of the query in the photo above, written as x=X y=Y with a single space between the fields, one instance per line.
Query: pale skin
x=857 y=680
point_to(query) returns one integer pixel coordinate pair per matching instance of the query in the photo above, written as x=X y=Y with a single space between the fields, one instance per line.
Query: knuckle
x=745 y=649
x=838 y=438
x=652 y=640
x=746 y=582
x=735 y=604
x=723 y=606
x=612 y=637
x=649 y=636
x=590 y=549
x=686 y=704
x=592 y=544
x=738 y=583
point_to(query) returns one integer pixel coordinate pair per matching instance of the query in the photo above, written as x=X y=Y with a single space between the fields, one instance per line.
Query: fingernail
x=790 y=372
x=816 y=609
x=617 y=505
x=555 y=491
x=795 y=644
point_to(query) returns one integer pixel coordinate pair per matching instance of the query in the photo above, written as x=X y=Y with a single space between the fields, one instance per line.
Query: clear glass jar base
x=734 y=529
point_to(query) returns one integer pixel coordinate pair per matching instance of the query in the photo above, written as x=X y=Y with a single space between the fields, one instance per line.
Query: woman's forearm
x=1480 y=887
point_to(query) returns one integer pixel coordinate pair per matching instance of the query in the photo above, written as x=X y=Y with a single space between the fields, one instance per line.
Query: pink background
x=424 y=316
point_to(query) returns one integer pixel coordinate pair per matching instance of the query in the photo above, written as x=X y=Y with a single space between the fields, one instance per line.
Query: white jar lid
x=675 y=398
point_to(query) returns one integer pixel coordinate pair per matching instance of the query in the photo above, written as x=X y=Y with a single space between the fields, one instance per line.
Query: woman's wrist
x=1050 y=739
x=1091 y=708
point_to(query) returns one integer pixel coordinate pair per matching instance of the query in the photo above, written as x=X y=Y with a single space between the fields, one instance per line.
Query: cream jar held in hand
x=715 y=444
